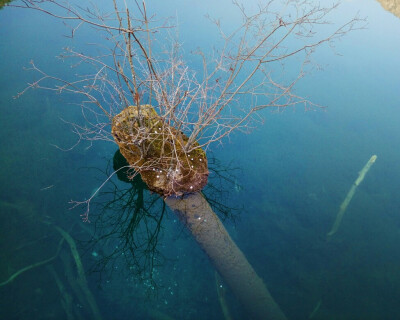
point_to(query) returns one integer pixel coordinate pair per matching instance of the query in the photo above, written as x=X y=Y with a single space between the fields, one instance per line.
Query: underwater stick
x=81 y=274
x=75 y=289
x=230 y=262
x=66 y=299
x=221 y=297
x=37 y=264
x=350 y=195
x=315 y=310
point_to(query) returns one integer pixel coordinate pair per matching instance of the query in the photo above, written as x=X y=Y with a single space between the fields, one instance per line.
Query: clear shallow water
x=294 y=172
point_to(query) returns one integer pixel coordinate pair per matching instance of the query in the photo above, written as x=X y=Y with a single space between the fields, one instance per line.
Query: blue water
x=284 y=183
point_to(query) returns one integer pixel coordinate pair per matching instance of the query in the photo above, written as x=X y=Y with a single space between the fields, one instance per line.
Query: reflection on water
x=295 y=173
x=392 y=6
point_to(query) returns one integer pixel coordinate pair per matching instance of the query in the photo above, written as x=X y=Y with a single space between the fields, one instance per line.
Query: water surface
x=286 y=182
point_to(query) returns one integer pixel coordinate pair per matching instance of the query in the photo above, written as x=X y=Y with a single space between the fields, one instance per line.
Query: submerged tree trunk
x=209 y=232
x=179 y=176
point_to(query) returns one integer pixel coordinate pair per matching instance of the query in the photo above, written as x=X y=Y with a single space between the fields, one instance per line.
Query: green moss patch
x=156 y=150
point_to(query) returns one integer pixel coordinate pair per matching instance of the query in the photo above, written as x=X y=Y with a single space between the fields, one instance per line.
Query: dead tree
x=164 y=115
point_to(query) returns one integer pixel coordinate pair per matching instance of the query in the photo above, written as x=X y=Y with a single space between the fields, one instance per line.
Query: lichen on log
x=156 y=150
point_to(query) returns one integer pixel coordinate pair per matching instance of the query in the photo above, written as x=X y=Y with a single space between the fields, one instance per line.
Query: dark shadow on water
x=125 y=246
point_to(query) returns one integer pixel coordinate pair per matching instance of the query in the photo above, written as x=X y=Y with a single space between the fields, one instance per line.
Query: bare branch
x=139 y=63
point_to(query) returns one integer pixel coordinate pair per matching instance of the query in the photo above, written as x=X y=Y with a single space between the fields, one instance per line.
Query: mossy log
x=157 y=151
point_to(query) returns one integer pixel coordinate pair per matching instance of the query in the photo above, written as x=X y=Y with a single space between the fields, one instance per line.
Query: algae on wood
x=157 y=151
